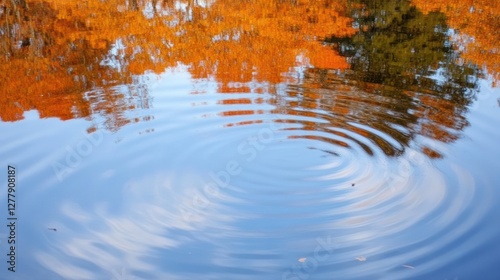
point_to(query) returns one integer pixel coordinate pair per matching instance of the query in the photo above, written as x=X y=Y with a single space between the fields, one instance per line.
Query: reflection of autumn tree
x=477 y=24
x=237 y=41
x=61 y=49
x=79 y=59
x=405 y=55
x=350 y=108
x=48 y=62
x=24 y=70
x=341 y=104
x=398 y=45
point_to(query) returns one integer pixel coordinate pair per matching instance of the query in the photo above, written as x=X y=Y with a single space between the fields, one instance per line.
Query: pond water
x=249 y=139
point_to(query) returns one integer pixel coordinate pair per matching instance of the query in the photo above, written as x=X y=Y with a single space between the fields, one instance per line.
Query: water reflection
x=59 y=51
x=323 y=103
x=402 y=47
x=77 y=62
x=474 y=28
x=106 y=236
x=334 y=111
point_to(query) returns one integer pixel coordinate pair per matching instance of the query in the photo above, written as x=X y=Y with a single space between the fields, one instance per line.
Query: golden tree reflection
x=58 y=50
x=76 y=59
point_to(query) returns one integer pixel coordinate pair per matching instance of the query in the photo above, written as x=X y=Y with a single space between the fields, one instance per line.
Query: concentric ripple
x=290 y=182
x=344 y=164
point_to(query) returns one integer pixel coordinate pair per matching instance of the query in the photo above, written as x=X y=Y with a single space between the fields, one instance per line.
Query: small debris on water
x=361 y=258
x=408 y=266
x=353 y=185
x=302 y=260
x=54 y=229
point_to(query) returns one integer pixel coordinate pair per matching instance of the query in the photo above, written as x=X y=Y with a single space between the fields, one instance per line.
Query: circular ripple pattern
x=326 y=182
x=341 y=165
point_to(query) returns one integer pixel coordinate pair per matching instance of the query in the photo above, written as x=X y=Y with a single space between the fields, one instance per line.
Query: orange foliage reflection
x=59 y=50
x=477 y=22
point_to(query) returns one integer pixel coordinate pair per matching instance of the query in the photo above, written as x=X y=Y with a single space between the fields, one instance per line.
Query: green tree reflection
x=404 y=78
x=398 y=45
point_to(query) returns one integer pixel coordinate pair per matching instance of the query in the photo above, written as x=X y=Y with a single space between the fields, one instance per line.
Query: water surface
x=251 y=140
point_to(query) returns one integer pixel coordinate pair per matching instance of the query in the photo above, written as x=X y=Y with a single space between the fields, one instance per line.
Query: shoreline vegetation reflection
x=404 y=68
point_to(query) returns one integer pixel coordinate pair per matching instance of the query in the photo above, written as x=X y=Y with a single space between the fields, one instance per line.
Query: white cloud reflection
x=126 y=232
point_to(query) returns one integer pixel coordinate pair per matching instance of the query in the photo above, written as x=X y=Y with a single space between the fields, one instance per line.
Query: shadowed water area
x=263 y=139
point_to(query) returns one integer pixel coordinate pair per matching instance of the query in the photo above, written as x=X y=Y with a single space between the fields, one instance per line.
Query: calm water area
x=249 y=139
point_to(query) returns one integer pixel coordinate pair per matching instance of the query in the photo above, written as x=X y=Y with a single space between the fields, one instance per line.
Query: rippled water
x=325 y=174
x=290 y=182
